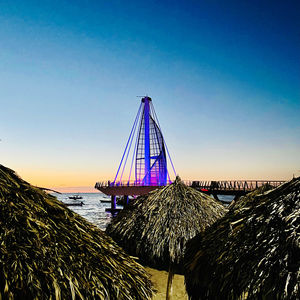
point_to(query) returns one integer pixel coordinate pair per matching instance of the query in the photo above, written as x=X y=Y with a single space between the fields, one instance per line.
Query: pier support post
x=126 y=200
x=216 y=196
x=236 y=197
x=113 y=203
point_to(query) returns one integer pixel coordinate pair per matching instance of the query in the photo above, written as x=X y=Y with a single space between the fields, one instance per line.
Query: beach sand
x=159 y=280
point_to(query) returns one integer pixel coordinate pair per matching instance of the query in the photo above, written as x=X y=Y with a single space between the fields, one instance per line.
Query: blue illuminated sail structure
x=149 y=154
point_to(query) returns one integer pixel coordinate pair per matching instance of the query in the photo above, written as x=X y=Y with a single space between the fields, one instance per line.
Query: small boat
x=74 y=204
x=75 y=197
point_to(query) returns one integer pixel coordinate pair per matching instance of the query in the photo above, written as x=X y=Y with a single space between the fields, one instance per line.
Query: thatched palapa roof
x=156 y=227
x=251 y=253
x=49 y=252
x=250 y=197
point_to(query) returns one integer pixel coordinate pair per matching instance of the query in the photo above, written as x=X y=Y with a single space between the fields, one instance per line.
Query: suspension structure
x=149 y=154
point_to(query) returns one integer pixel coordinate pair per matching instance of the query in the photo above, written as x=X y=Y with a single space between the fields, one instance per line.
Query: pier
x=148 y=170
x=149 y=158
x=236 y=188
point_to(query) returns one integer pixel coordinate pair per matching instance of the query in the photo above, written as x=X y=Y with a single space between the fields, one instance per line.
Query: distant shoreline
x=76 y=189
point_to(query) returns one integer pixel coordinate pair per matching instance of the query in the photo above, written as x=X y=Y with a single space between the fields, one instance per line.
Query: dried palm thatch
x=250 y=197
x=251 y=253
x=156 y=227
x=50 y=252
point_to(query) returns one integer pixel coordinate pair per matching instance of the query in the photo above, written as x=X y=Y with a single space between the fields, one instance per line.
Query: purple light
x=150 y=151
x=147 y=141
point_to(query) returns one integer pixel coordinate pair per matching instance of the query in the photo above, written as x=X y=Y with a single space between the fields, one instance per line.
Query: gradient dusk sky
x=224 y=77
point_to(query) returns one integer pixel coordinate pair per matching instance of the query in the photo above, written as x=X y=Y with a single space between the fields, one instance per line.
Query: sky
x=224 y=77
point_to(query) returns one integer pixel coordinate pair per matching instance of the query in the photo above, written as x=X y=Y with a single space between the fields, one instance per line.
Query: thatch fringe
x=157 y=226
x=250 y=197
x=49 y=252
x=251 y=253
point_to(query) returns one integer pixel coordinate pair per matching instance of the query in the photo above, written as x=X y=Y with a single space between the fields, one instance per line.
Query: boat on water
x=75 y=197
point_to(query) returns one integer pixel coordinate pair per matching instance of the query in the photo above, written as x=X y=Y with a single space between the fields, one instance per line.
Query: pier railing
x=224 y=185
x=233 y=185
x=122 y=184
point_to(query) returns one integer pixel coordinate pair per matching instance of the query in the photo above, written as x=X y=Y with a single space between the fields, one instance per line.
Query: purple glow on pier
x=149 y=153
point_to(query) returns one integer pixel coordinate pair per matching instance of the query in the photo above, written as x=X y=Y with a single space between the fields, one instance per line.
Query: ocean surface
x=94 y=205
x=93 y=208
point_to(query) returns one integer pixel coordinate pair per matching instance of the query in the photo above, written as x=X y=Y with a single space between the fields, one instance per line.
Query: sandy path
x=159 y=280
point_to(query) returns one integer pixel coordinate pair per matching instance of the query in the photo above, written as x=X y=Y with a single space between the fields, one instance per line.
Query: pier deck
x=236 y=188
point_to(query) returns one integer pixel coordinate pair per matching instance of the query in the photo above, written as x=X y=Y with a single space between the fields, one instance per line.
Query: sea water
x=94 y=205
x=93 y=208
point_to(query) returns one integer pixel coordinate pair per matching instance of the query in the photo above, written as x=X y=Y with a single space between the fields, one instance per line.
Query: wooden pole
x=170 y=281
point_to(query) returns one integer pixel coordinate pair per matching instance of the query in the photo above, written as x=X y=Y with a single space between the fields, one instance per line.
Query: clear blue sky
x=224 y=77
